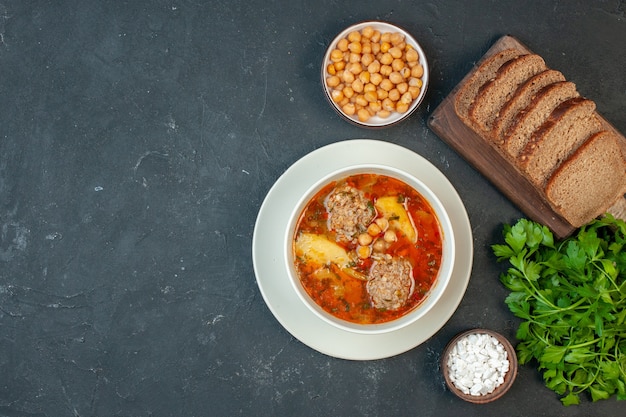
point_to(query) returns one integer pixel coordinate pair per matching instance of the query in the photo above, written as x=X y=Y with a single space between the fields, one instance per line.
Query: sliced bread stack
x=538 y=120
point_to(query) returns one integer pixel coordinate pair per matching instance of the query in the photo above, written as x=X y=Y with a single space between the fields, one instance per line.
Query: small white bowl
x=447 y=260
x=395 y=117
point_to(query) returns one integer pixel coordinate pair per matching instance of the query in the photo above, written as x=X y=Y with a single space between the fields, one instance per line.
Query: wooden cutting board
x=484 y=156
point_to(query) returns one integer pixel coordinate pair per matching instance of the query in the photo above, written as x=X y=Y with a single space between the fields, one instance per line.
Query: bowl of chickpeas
x=375 y=74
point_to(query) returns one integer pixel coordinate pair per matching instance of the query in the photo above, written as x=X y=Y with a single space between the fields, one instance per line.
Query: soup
x=367 y=248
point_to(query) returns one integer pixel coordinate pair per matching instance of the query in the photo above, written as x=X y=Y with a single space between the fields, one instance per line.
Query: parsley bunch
x=571 y=296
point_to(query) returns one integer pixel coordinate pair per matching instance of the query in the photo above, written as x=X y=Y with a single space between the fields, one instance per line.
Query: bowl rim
x=509 y=377
x=444 y=273
x=423 y=60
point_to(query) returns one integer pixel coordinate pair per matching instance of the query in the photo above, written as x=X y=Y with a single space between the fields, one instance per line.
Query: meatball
x=390 y=282
x=349 y=212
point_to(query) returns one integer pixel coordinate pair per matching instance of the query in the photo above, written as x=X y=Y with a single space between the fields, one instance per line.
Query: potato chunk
x=394 y=211
x=321 y=251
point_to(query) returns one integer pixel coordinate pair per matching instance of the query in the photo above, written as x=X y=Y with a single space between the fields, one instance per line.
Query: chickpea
x=374 y=67
x=369 y=87
x=382 y=94
x=406 y=98
x=390 y=236
x=398 y=64
x=386 y=84
x=367 y=59
x=356 y=68
x=365 y=77
x=354 y=36
x=355 y=47
x=354 y=57
x=411 y=55
x=395 y=77
x=349 y=109
x=348 y=77
x=383 y=114
x=374 y=229
x=366 y=48
x=417 y=71
x=361 y=101
x=385 y=70
x=364 y=239
x=370 y=96
x=379 y=245
x=394 y=95
x=396 y=38
x=402 y=107
x=375 y=106
x=336 y=55
x=384 y=47
x=367 y=32
x=415 y=92
x=348 y=92
x=386 y=58
x=340 y=66
x=389 y=106
x=375 y=36
x=363 y=115
x=337 y=96
x=415 y=82
x=375 y=48
x=331 y=69
x=382 y=223
x=333 y=81
x=357 y=85
x=342 y=45
x=375 y=78
x=395 y=52
x=364 y=252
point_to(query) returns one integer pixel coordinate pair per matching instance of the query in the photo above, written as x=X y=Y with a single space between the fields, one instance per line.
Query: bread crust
x=567 y=127
x=485 y=72
x=591 y=180
x=496 y=92
x=520 y=100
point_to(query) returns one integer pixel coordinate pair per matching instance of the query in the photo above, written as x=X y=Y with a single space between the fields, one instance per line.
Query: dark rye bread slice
x=533 y=116
x=492 y=95
x=485 y=72
x=568 y=126
x=520 y=100
x=589 y=181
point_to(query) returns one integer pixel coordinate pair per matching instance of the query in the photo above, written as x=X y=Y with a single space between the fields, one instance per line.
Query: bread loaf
x=492 y=95
x=586 y=184
x=567 y=127
x=466 y=95
x=535 y=114
x=552 y=136
x=520 y=100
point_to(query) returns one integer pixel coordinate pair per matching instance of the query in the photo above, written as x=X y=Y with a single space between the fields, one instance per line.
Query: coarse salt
x=478 y=364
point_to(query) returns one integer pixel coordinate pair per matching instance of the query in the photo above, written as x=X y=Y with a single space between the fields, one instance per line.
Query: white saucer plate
x=270 y=267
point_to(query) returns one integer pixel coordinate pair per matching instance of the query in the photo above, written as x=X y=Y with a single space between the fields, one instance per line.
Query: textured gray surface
x=137 y=142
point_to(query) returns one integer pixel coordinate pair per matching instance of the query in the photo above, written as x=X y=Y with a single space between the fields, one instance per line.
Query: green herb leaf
x=571 y=298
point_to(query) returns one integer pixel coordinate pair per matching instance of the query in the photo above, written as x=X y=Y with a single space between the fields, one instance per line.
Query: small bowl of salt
x=479 y=365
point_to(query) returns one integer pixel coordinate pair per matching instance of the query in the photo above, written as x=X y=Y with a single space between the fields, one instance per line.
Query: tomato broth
x=335 y=270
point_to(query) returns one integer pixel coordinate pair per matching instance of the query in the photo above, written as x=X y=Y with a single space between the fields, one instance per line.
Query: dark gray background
x=137 y=142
